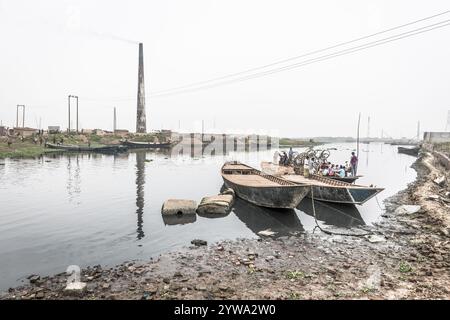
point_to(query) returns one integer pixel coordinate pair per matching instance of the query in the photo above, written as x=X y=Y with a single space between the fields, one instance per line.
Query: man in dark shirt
x=354 y=164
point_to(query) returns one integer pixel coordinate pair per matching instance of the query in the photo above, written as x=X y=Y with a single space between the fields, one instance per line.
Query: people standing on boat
x=306 y=167
x=347 y=168
x=354 y=164
x=291 y=154
x=311 y=166
x=283 y=158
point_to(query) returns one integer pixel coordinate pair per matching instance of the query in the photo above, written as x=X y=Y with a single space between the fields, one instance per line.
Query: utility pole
x=418 y=130
x=447 y=125
x=203 y=129
x=357 y=136
x=368 y=127
x=23 y=115
x=115 y=121
x=68 y=103
x=75 y=97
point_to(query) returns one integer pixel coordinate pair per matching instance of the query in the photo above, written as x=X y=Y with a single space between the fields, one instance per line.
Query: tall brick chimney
x=141 y=122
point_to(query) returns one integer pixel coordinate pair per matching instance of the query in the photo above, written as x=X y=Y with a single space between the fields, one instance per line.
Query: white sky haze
x=53 y=48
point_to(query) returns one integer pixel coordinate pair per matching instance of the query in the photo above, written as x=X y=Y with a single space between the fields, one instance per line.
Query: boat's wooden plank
x=236 y=167
x=251 y=180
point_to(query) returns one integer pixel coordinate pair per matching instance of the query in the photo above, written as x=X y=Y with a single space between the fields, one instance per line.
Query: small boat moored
x=75 y=148
x=146 y=145
x=262 y=189
x=409 y=151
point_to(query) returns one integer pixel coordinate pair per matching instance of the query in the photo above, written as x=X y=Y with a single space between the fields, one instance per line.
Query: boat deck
x=236 y=167
x=301 y=179
x=251 y=180
x=316 y=182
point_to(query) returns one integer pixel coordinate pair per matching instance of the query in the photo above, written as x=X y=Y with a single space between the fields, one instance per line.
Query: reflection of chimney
x=140 y=182
x=141 y=126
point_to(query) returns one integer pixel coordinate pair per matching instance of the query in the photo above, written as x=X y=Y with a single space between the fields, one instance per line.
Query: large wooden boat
x=324 y=188
x=146 y=145
x=75 y=148
x=263 y=189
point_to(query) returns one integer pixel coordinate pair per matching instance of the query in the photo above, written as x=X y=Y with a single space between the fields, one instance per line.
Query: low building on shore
x=25 y=132
x=54 y=129
x=436 y=137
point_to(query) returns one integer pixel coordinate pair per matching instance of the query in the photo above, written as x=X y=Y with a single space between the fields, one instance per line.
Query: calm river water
x=88 y=209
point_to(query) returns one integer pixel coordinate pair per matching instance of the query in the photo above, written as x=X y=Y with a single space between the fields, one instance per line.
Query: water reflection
x=140 y=182
x=73 y=177
x=283 y=222
x=181 y=219
x=338 y=215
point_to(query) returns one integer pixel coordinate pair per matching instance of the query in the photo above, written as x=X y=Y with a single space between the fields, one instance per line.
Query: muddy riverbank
x=406 y=256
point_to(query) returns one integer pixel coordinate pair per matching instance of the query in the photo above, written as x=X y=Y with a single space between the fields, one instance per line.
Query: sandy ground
x=411 y=261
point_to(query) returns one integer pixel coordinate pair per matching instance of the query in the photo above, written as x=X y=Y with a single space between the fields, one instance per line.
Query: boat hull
x=345 y=179
x=143 y=145
x=343 y=195
x=286 y=197
x=409 y=151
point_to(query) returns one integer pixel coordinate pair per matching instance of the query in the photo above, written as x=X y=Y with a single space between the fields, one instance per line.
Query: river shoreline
x=406 y=258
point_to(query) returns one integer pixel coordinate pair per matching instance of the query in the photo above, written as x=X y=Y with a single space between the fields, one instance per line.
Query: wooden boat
x=328 y=190
x=146 y=145
x=263 y=189
x=278 y=170
x=345 y=179
x=409 y=151
x=75 y=148
x=324 y=188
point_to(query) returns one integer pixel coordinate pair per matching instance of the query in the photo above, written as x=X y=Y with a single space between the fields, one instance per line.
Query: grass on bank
x=26 y=148
x=289 y=142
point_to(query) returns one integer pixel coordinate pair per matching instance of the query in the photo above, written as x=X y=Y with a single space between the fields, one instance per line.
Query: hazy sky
x=50 y=49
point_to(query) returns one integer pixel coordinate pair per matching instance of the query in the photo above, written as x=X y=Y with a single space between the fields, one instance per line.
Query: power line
x=318 y=59
x=299 y=56
x=214 y=82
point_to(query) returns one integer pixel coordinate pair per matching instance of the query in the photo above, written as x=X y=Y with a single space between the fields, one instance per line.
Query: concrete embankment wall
x=442 y=158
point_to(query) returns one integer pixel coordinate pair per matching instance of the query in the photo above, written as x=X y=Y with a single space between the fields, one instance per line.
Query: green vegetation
x=26 y=149
x=294 y=296
x=298 y=142
x=404 y=267
x=294 y=275
x=367 y=290
x=84 y=139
